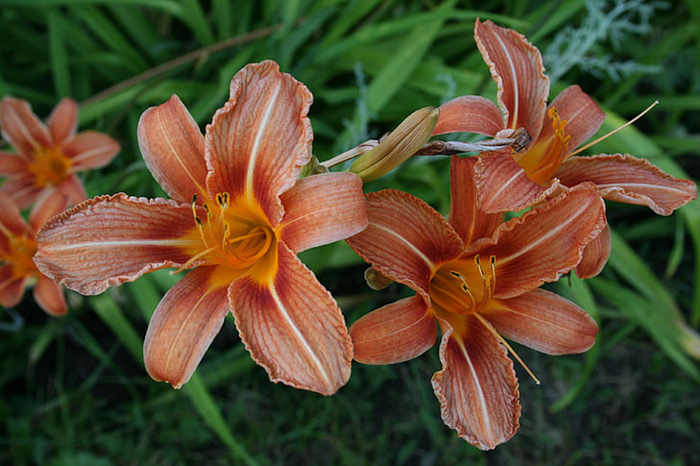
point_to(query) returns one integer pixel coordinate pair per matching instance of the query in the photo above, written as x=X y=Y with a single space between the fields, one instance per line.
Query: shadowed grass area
x=74 y=390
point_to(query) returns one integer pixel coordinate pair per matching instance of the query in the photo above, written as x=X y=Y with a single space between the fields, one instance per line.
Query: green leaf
x=193 y=15
x=59 y=57
x=631 y=140
x=661 y=316
x=111 y=37
x=205 y=404
x=671 y=335
x=579 y=292
x=111 y=314
x=170 y=6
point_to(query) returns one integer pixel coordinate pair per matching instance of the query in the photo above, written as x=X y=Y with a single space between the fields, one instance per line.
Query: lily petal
x=516 y=66
x=628 y=179
x=183 y=326
x=90 y=149
x=22 y=128
x=293 y=327
x=21 y=189
x=503 y=185
x=49 y=296
x=11 y=287
x=49 y=204
x=394 y=333
x=545 y=242
x=468 y=220
x=11 y=164
x=596 y=255
x=10 y=217
x=258 y=142
x=72 y=187
x=109 y=240
x=405 y=239
x=543 y=321
x=63 y=120
x=477 y=387
x=322 y=209
x=173 y=149
x=582 y=114
x=469 y=114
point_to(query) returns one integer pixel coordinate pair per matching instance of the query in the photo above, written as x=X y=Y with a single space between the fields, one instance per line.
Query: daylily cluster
x=240 y=208
x=479 y=276
x=40 y=174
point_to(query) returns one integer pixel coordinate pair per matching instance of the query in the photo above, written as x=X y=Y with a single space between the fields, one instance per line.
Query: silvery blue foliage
x=605 y=21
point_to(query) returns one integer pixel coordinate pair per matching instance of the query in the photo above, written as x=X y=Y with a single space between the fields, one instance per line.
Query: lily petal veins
x=516 y=178
x=479 y=279
x=237 y=215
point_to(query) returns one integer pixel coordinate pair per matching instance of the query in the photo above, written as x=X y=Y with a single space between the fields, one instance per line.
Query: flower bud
x=377 y=280
x=398 y=146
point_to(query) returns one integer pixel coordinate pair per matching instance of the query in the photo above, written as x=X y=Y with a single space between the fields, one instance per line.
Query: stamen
x=192 y=259
x=465 y=288
x=198 y=221
x=493 y=331
x=478 y=266
x=581 y=149
x=225 y=236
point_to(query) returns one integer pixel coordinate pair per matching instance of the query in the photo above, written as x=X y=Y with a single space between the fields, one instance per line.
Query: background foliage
x=74 y=390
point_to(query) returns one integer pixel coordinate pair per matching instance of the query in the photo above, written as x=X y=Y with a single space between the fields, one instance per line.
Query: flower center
x=20 y=252
x=237 y=236
x=463 y=286
x=50 y=166
x=546 y=154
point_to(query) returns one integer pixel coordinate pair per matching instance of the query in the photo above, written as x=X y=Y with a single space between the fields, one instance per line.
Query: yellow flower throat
x=546 y=155
x=234 y=235
x=50 y=166
x=463 y=286
x=21 y=251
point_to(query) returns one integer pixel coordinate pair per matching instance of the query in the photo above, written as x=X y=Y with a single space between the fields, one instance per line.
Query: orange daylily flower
x=479 y=278
x=48 y=156
x=17 y=248
x=249 y=218
x=515 y=178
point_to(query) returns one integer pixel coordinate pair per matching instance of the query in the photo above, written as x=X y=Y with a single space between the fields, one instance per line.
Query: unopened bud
x=377 y=280
x=398 y=146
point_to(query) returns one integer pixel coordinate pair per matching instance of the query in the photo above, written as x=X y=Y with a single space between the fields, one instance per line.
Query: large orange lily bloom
x=241 y=234
x=48 y=156
x=17 y=249
x=479 y=278
x=515 y=178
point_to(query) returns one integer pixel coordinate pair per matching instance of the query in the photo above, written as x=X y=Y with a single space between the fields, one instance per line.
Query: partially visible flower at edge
x=249 y=217
x=17 y=249
x=479 y=278
x=47 y=156
x=516 y=178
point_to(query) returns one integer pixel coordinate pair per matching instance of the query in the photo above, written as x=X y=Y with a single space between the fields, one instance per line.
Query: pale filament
x=489 y=284
x=493 y=331
x=582 y=148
